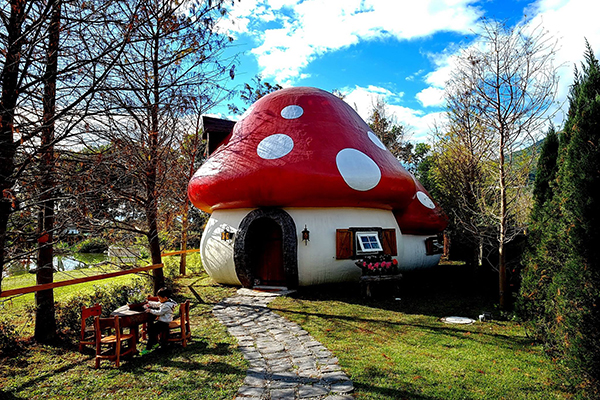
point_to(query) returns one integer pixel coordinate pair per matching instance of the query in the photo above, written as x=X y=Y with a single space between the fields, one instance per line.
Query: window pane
x=369 y=241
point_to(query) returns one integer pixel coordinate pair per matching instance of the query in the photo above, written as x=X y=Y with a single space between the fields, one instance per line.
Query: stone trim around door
x=243 y=267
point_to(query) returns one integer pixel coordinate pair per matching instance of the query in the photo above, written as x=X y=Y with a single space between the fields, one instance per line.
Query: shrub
x=193 y=265
x=68 y=313
x=8 y=337
x=92 y=245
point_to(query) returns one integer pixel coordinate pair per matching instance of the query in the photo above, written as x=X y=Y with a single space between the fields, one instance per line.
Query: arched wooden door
x=266 y=252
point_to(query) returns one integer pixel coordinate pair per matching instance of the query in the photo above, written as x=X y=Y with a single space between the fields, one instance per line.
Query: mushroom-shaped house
x=299 y=189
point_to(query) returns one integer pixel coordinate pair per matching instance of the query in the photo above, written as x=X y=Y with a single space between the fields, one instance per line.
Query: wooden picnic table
x=132 y=319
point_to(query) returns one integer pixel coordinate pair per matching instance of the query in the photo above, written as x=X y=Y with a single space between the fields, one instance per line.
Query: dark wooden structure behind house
x=215 y=131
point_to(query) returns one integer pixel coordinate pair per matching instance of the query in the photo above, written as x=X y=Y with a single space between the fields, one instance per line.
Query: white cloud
x=572 y=22
x=412 y=77
x=416 y=122
x=307 y=29
x=569 y=21
x=431 y=96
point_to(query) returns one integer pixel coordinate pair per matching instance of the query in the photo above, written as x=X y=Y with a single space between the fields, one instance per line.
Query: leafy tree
x=389 y=132
x=459 y=177
x=542 y=258
x=252 y=92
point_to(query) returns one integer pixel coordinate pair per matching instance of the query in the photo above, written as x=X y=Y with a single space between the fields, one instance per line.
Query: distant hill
x=534 y=150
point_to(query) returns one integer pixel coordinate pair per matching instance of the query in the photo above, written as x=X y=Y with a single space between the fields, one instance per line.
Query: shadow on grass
x=350 y=324
x=39 y=378
x=181 y=358
x=440 y=291
x=399 y=394
x=173 y=357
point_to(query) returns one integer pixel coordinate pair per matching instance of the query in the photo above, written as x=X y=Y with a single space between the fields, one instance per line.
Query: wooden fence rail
x=46 y=286
x=176 y=253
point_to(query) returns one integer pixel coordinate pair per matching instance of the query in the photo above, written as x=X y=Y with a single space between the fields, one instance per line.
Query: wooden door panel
x=268 y=262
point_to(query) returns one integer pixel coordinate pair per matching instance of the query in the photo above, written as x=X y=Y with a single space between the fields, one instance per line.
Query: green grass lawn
x=400 y=349
x=26 y=280
x=391 y=349
x=208 y=368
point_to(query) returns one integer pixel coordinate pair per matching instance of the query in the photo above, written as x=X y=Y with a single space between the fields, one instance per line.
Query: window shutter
x=344 y=244
x=389 y=242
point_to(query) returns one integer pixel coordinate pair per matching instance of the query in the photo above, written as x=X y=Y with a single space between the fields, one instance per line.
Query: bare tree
x=14 y=39
x=173 y=66
x=191 y=153
x=48 y=81
x=500 y=93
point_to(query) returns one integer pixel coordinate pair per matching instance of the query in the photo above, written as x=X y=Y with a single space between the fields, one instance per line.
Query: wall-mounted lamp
x=305 y=236
x=226 y=235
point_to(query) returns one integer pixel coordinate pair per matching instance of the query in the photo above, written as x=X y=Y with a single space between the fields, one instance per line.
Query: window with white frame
x=368 y=242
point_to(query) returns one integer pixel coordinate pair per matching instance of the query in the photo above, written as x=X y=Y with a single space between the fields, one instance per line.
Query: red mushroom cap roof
x=422 y=216
x=301 y=147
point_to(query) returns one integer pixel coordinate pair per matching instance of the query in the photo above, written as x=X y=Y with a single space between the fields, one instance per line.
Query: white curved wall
x=316 y=260
x=414 y=256
x=217 y=254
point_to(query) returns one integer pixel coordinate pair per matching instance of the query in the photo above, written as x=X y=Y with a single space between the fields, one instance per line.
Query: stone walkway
x=285 y=361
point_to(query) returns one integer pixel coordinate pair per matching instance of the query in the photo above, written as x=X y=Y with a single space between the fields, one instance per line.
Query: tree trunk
x=184 y=236
x=154 y=245
x=502 y=234
x=151 y=195
x=480 y=253
x=8 y=102
x=45 y=322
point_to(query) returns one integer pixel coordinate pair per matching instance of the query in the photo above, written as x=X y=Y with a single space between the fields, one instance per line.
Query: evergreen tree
x=578 y=196
x=546 y=171
x=537 y=263
x=567 y=244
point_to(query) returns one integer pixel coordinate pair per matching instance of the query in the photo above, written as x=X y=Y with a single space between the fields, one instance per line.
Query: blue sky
x=399 y=50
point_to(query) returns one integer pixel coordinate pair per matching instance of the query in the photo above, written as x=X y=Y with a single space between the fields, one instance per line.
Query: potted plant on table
x=136 y=300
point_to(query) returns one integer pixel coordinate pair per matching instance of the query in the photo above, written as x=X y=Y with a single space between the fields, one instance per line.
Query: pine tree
x=579 y=198
x=562 y=279
x=541 y=238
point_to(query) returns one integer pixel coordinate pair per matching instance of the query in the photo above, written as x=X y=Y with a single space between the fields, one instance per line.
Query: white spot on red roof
x=292 y=112
x=425 y=200
x=275 y=146
x=376 y=140
x=359 y=171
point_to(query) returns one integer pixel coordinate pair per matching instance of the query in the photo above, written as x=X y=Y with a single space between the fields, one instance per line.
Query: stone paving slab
x=285 y=361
